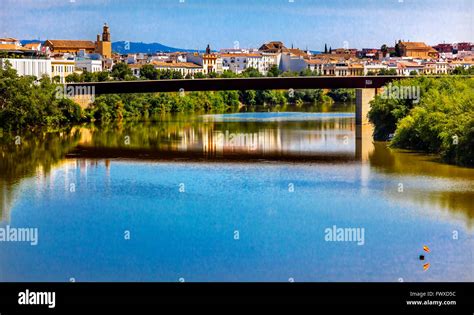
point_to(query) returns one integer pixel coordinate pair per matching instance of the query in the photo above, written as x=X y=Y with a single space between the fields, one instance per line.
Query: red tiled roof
x=8 y=39
x=10 y=47
x=32 y=45
x=75 y=44
x=175 y=64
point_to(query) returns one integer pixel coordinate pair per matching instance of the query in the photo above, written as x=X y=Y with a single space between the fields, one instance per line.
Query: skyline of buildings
x=60 y=59
x=190 y=24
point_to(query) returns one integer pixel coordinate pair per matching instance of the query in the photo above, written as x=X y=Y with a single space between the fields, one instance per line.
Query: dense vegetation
x=441 y=122
x=146 y=106
x=26 y=102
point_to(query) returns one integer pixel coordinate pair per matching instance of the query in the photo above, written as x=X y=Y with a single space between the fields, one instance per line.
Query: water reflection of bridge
x=50 y=174
x=330 y=139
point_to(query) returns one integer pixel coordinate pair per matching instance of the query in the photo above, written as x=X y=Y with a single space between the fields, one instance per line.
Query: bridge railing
x=221 y=84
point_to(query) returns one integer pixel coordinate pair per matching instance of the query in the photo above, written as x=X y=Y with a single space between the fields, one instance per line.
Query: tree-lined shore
x=441 y=121
x=29 y=103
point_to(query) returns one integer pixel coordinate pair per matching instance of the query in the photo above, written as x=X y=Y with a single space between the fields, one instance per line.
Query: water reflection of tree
x=455 y=198
x=21 y=157
x=320 y=107
x=203 y=136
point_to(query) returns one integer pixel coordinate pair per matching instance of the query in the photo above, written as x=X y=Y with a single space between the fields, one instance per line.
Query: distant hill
x=123 y=47
x=27 y=41
x=139 y=47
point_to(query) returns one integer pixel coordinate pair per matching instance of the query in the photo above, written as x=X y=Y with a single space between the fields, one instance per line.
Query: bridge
x=366 y=87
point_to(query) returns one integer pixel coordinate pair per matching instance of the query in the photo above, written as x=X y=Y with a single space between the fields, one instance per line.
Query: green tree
x=148 y=72
x=228 y=74
x=121 y=71
x=274 y=71
x=248 y=97
x=387 y=72
x=251 y=72
x=89 y=76
x=289 y=74
x=26 y=104
x=199 y=75
x=440 y=121
x=342 y=95
x=169 y=74
x=74 y=77
x=102 y=76
x=460 y=70
x=384 y=50
x=398 y=49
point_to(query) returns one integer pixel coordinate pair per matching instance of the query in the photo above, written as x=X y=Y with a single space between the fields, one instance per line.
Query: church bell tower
x=104 y=45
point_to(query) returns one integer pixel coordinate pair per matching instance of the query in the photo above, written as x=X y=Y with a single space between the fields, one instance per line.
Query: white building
x=9 y=43
x=34 y=67
x=185 y=68
x=237 y=51
x=61 y=68
x=89 y=65
x=292 y=62
x=441 y=67
x=374 y=68
x=269 y=60
x=238 y=62
x=135 y=69
x=341 y=69
x=137 y=58
x=210 y=62
x=409 y=67
x=159 y=58
x=36 y=46
x=315 y=65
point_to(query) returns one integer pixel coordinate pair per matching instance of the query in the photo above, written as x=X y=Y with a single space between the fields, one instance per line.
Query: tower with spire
x=104 y=44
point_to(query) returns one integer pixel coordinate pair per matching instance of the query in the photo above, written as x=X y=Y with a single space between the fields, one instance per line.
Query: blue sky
x=193 y=24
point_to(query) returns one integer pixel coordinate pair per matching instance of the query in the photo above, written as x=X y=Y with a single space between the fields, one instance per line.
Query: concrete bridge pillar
x=83 y=100
x=363 y=98
x=364 y=145
x=364 y=130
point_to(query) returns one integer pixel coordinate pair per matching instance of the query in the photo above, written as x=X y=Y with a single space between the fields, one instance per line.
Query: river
x=250 y=196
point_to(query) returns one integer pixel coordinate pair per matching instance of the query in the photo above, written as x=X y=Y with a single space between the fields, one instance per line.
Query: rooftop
x=8 y=39
x=241 y=55
x=175 y=64
x=78 y=44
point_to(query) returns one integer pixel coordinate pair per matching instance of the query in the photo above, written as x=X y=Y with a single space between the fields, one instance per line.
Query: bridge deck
x=261 y=83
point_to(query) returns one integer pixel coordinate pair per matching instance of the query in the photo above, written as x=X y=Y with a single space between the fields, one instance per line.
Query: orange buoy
x=426 y=266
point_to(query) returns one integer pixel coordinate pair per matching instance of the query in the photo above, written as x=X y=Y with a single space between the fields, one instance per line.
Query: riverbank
x=439 y=120
x=27 y=103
